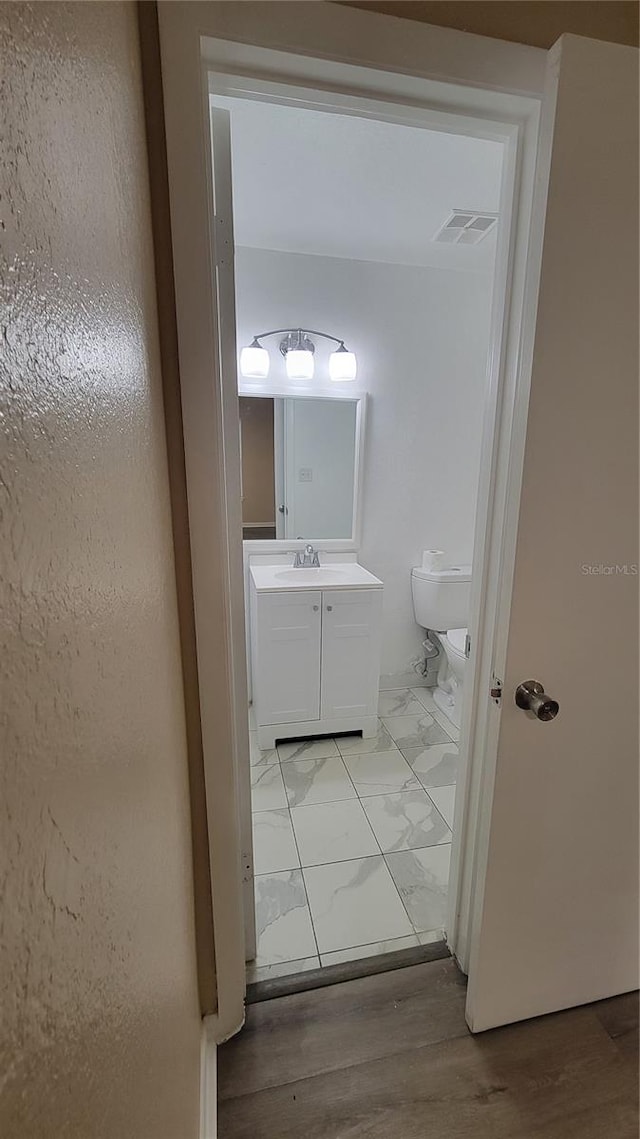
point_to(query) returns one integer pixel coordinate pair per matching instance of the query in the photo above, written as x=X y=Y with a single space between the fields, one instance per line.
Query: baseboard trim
x=208 y=1084
x=345 y=971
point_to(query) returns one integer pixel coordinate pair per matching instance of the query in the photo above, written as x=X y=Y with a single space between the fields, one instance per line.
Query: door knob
x=531 y=697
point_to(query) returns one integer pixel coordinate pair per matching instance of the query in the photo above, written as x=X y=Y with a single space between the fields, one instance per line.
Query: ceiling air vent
x=464 y=227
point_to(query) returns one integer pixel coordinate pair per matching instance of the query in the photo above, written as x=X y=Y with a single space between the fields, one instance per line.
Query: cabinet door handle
x=315 y=608
x=329 y=608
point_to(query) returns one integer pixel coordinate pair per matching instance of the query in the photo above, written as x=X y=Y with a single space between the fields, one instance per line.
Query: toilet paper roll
x=433 y=560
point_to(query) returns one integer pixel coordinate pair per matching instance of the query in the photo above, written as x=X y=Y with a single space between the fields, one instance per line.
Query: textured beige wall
x=99 y=1033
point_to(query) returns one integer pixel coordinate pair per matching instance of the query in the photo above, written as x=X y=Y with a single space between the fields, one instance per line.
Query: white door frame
x=289 y=476
x=279 y=467
x=401 y=71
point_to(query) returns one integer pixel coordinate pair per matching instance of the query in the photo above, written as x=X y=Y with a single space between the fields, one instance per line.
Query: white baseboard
x=208 y=1085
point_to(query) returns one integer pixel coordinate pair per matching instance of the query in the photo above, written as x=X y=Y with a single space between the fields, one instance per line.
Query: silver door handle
x=315 y=608
x=531 y=697
x=329 y=608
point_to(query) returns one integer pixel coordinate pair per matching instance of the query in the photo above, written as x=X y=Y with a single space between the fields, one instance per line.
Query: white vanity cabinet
x=315 y=657
x=350 y=672
x=286 y=656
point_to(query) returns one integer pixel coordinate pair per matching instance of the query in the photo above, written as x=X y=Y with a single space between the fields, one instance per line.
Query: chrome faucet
x=308 y=558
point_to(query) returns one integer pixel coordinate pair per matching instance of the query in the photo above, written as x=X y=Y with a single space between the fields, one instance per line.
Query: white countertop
x=341 y=575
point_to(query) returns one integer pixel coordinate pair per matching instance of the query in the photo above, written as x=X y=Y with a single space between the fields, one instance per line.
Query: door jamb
x=187 y=125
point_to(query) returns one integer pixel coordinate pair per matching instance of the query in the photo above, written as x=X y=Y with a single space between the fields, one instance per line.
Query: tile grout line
x=409 y=851
x=304 y=885
x=358 y=797
x=291 y=870
x=309 y=758
x=439 y=813
x=362 y=859
x=313 y=924
x=360 y=755
x=358 y=858
x=397 y=889
x=369 y=824
x=377 y=841
x=257 y=810
x=335 y=861
x=348 y=755
x=401 y=792
x=437 y=714
x=364 y=945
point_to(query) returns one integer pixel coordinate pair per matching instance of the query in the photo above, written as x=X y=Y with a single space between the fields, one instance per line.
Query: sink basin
x=340 y=575
x=310 y=574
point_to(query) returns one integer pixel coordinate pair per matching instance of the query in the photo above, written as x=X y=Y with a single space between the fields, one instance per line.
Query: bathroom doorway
x=554 y=118
x=383 y=235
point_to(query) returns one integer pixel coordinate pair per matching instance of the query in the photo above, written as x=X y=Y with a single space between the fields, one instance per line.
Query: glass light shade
x=342 y=365
x=299 y=364
x=254 y=362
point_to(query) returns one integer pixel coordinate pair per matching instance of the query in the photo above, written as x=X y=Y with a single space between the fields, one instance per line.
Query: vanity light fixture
x=298 y=350
x=254 y=361
x=342 y=365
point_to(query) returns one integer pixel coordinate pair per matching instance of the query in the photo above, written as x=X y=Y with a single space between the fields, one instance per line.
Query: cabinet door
x=351 y=620
x=287 y=683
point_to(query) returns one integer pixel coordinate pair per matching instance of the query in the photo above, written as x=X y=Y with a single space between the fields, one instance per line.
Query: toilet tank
x=441 y=597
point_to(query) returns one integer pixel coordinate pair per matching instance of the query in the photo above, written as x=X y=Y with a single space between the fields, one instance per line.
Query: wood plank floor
x=390 y=1057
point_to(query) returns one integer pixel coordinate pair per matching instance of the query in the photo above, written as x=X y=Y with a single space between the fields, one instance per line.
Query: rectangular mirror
x=300 y=459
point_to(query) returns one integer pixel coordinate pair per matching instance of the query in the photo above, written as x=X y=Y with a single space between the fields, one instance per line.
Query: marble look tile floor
x=352 y=839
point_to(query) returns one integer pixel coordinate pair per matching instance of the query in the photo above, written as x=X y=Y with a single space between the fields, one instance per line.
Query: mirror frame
x=265 y=390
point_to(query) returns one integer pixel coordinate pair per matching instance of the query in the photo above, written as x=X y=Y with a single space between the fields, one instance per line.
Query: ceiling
x=342 y=186
x=536 y=22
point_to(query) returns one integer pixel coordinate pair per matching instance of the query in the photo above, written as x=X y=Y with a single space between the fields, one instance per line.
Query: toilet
x=441 y=606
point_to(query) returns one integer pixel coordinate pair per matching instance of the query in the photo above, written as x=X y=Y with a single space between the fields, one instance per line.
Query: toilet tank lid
x=449 y=573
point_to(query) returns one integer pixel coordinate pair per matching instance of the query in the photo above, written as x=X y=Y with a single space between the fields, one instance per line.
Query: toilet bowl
x=448 y=691
x=441 y=606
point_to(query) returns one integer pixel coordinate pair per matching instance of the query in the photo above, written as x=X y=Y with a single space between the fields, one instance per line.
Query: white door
x=320 y=441
x=288 y=467
x=288 y=657
x=556 y=902
x=351 y=624
x=278 y=468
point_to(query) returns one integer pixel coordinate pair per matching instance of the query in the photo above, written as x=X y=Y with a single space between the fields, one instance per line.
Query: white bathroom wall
x=421 y=337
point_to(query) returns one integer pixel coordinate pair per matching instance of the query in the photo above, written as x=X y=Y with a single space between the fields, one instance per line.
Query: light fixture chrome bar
x=297 y=341
x=298 y=349
x=293 y=330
